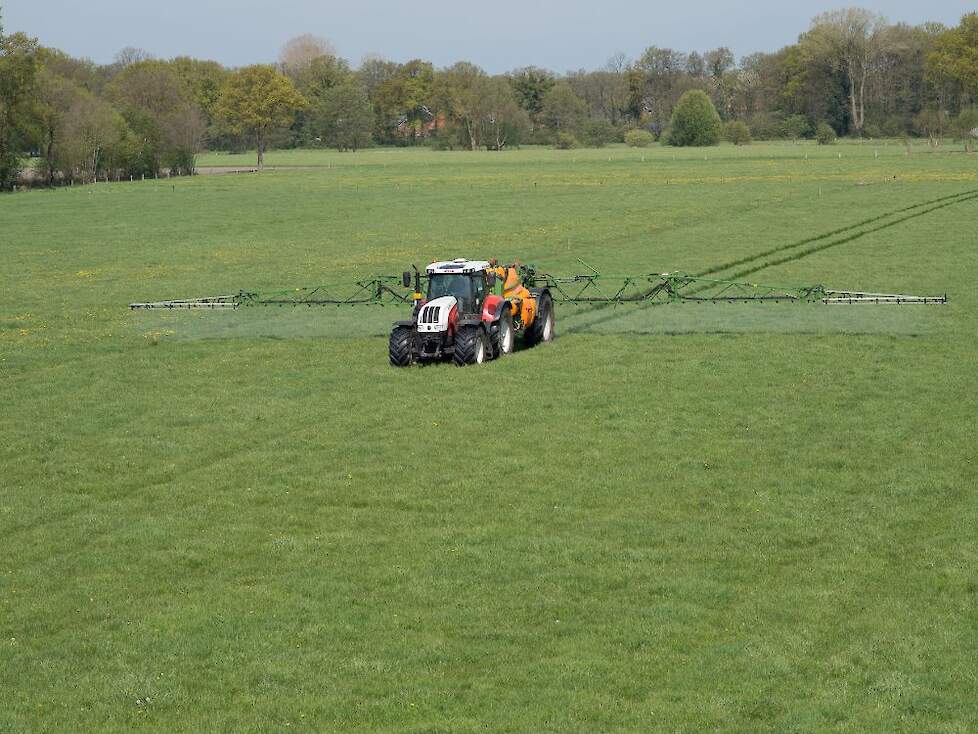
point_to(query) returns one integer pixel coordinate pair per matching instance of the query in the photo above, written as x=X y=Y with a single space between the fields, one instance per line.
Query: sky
x=498 y=36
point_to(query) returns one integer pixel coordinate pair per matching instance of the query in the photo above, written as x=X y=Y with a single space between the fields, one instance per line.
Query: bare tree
x=852 y=39
x=617 y=63
x=604 y=92
x=695 y=65
x=299 y=52
x=131 y=55
x=184 y=128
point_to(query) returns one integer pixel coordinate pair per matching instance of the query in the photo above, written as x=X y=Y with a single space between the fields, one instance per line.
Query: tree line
x=850 y=73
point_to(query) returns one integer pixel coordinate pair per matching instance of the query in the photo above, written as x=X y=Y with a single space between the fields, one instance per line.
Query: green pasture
x=681 y=518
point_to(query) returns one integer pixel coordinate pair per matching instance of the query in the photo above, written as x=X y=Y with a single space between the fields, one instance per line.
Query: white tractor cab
x=462 y=317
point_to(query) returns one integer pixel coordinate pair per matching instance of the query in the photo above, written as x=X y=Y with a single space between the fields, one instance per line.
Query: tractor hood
x=433 y=316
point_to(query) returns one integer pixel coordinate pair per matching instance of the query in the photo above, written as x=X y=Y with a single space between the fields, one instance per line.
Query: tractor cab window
x=479 y=282
x=452 y=284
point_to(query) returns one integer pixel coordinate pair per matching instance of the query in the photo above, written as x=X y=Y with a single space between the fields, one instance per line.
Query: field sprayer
x=463 y=318
x=472 y=311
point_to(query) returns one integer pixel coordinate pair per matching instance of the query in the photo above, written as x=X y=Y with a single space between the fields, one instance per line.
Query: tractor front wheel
x=400 y=346
x=471 y=346
x=542 y=328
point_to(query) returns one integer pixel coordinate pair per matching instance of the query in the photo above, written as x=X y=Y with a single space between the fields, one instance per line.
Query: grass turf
x=755 y=518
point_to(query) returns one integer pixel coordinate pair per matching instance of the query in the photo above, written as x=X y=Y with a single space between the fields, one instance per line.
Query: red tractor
x=472 y=312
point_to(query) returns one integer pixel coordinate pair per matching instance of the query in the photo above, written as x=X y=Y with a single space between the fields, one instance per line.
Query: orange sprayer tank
x=524 y=304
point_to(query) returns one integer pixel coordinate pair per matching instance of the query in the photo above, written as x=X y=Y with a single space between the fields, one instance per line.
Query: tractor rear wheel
x=400 y=346
x=505 y=337
x=542 y=328
x=471 y=346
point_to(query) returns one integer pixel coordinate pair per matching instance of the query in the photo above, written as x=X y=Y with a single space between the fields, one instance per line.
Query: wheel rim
x=507 y=338
x=480 y=351
x=548 y=327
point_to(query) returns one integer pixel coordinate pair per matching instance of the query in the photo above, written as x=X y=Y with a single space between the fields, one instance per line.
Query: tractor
x=472 y=312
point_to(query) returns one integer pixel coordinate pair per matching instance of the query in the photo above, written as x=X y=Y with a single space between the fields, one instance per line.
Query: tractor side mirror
x=406 y=278
x=491 y=279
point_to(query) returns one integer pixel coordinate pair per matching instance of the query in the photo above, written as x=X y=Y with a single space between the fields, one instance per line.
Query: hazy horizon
x=558 y=36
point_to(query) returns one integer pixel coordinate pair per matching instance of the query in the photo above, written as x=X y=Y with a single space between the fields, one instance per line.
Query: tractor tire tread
x=466 y=342
x=400 y=347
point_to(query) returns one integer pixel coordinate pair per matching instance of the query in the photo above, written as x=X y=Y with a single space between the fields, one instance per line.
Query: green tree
x=563 y=110
x=794 y=127
x=932 y=124
x=824 y=134
x=459 y=91
x=531 y=85
x=256 y=100
x=853 y=40
x=566 y=141
x=373 y=72
x=664 y=79
x=597 y=133
x=56 y=99
x=639 y=138
x=314 y=79
x=403 y=102
x=718 y=62
x=694 y=120
x=481 y=110
x=18 y=72
x=320 y=75
x=955 y=55
x=343 y=117
x=83 y=72
x=202 y=82
x=87 y=132
x=502 y=120
x=900 y=87
x=807 y=82
x=96 y=128
x=160 y=109
x=736 y=132
x=965 y=128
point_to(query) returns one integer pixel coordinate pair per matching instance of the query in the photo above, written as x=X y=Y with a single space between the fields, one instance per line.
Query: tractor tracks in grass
x=849 y=233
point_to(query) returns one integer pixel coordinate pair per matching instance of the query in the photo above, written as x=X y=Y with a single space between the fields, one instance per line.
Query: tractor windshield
x=452 y=284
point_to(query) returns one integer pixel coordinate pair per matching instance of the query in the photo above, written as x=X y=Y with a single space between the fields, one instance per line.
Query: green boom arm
x=591 y=288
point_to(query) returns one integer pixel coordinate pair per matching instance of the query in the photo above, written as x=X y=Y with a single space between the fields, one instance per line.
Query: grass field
x=687 y=518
